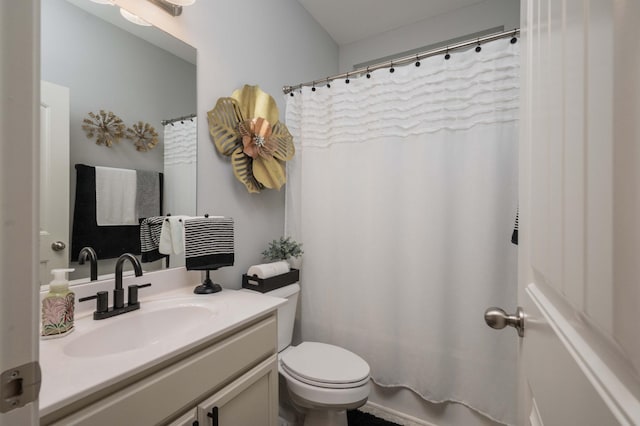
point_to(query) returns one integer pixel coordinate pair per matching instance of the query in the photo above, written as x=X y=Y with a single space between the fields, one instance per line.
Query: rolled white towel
x=267 y=270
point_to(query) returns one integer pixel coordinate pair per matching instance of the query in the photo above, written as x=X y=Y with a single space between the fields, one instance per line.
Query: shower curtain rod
x=406 y=59
x=173 y=120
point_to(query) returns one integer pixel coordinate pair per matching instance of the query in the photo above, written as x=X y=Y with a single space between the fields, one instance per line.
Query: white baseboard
x=394 y=416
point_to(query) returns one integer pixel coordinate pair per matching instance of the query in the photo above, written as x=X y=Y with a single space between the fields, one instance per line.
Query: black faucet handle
x=102 y=300
x=133 y=292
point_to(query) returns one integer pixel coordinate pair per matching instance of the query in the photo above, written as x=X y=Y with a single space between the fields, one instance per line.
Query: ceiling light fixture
x=172 y=7
x=182 y=2
x=133 y=18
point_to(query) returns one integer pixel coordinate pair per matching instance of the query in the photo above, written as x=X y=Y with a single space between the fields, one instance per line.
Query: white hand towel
x=115 y=196
x=172 y=235
x=267 y=270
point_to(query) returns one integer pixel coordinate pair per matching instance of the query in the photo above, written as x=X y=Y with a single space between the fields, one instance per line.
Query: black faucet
x=89 y=253
x=102 y=307
x=118 y=292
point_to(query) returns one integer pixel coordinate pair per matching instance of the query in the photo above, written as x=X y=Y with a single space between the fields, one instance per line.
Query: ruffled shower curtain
x=180 y=146
x=403 y=191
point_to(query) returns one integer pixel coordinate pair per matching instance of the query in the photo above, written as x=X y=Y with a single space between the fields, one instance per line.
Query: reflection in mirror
x=92 y=59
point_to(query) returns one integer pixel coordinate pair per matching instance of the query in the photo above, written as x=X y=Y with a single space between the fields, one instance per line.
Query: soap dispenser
x=58 y=306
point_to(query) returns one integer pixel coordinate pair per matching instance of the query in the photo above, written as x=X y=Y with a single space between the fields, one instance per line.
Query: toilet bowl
x=322 y=380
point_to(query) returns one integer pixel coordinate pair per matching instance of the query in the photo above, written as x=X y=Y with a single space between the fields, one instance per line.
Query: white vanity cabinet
x=234 y=375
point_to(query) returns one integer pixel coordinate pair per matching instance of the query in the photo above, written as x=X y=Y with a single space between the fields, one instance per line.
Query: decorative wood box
x=267 y=284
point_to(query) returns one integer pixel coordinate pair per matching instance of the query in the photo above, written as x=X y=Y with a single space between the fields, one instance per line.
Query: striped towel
x=514 y=235
x=208 y=242
x=150 y=229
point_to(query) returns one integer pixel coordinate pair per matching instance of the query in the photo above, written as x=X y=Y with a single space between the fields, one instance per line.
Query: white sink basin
x=154 y=323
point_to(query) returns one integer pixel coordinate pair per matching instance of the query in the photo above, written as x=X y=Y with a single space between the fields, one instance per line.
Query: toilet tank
x=286 y=313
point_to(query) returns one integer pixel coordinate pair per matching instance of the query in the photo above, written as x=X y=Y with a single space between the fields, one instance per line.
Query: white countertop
x=67 y=377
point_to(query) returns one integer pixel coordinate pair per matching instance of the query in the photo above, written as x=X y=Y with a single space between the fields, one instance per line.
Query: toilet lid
x=325 y=365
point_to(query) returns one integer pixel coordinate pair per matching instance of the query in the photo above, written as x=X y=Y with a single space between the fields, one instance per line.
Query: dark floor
x=358 y=418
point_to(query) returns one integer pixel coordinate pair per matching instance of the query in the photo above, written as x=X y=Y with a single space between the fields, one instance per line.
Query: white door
x=579 y=252
x=54 y=179
x=19 y=138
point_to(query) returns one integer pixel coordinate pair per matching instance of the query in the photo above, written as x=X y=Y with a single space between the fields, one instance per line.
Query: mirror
x=100 y=61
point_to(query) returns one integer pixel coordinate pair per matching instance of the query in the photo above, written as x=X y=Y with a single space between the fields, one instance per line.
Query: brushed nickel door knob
x=58 y=246
x=497 y=318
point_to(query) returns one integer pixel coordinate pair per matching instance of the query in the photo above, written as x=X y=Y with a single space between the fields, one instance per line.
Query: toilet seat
x=325 y=366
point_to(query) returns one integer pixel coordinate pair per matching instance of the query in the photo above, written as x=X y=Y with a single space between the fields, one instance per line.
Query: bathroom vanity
x=182 y=359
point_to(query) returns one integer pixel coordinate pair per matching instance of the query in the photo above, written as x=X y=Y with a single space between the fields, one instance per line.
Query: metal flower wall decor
x=143 y=136
x=108 y=129
x=245 y=127
x=105 y=126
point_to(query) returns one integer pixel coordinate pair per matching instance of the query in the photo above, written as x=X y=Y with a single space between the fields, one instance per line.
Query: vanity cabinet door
x=188 y=419
x=250 y=400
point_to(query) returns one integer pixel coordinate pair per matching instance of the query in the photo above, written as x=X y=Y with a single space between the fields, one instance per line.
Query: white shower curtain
x=180 y=146
x=403 y=191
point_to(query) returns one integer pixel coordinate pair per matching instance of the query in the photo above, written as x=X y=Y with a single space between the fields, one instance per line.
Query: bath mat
x=358 y=418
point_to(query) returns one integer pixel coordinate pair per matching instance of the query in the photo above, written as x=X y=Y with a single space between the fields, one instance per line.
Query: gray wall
x=460 y=22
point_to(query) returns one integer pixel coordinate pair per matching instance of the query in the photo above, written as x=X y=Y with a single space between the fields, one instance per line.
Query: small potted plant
x=284 y=249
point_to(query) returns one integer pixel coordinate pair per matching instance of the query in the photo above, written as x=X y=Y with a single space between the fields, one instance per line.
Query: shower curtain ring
x=346 y=80
x=417 y=61
x=447 y=56
x=368 y=73
x=328 y=83
x=392 y=69
x=313 y=86
x=478 y=48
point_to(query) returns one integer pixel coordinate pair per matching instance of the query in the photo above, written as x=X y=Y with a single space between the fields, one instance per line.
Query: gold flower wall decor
x=105 y=126
x=245 y=127
x=143 y=136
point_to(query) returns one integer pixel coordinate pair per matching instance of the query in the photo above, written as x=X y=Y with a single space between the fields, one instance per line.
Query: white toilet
x=322 y=380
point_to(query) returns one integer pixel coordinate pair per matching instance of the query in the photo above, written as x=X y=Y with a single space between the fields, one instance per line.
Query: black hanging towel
x=108 y=241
